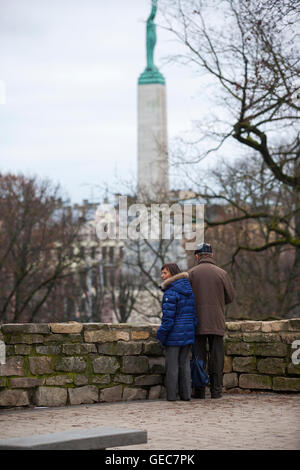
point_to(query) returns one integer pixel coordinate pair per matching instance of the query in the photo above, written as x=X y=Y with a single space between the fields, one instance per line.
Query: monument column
x=153 y=178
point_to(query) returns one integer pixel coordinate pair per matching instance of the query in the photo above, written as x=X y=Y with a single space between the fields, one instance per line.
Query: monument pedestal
x=153 y=180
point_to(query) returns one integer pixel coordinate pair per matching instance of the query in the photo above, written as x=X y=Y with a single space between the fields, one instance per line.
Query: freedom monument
x=153 y=178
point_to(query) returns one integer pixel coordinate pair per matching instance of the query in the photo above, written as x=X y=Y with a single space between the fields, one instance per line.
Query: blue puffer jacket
x=179 y=319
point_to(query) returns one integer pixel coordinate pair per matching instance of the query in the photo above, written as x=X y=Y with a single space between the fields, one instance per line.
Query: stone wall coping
x=292 y=324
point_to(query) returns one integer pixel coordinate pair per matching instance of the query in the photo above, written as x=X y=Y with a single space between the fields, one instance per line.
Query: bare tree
x=250 y=53
x=264 y=278
x=250 y=50
x=124 y=288
x=36 y=233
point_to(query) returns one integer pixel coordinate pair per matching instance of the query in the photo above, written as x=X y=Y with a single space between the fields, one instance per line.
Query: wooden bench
x=79 y=439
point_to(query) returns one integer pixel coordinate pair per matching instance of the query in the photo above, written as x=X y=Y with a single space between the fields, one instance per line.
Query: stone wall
x=60 y=364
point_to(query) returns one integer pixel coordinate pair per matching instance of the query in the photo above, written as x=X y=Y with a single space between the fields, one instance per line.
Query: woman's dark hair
x=172 y=267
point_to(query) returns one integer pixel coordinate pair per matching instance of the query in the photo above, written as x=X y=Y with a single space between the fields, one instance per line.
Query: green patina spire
x=151 y=73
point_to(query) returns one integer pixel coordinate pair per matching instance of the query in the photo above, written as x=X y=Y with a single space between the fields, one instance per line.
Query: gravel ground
x=236 y=421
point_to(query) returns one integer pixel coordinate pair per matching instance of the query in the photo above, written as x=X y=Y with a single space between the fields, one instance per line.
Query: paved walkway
x=236 y=421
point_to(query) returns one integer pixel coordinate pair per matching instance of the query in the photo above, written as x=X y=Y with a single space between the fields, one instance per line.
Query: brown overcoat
x=212 y=289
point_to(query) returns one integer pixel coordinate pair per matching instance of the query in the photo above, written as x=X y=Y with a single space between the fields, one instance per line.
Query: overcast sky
x=70 y=69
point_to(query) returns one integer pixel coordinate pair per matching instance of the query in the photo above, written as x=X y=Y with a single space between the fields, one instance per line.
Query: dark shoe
x=216 y=395
x=185 y=399
x=199 y=394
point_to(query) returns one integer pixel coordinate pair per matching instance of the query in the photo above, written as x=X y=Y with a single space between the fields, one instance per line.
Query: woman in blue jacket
x=177 y=330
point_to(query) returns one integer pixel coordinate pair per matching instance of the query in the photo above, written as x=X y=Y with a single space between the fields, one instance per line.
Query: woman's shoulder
x=170 y=293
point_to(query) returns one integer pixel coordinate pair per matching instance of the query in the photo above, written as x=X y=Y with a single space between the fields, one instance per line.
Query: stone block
x=244 y=364
x=288 y=338
x=105 y=365
x=261 y=337
x=293 y=369
x=86 y=394
x=81 y=380
x=73 y=338
x=50 y=349
x=15 y=328
x=274 y=326
x=123 y=379
x=51 y=396
x=25 y=339
x=26 y=382
x=155 y=392
x=134 y=394
x=59 y=380
x=88 y=348
x=233 y=325
x=129 y=349
x=102 y=379
x=153 y=348
x=294 y=324
x=56 y=338
x=266 y=327
x=135 y=364
x=120 y=348
x=7 y=350
x=250 y=325
x=40 y=365
x=13 y=366
x=71 y=349
x=157 y=365
x=271 y=349
x=14 y=398
x=139 y=334
x=255 y=381
x=2 y=381
x=70 y=364
x=230 y=380
x=105 y=336
x=271 y=365
x=233 y=336
x=68 y=327
x=111 y=394
x=110 y=349
x=227 y=364
x=239 y=349
x=148 y=380
x=22 y=349
x=286 y=384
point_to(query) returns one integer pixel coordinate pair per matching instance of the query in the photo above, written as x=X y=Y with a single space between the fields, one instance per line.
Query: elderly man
x=212 y=290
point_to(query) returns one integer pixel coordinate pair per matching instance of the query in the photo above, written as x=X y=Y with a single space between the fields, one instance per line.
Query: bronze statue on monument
x=151 y=73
